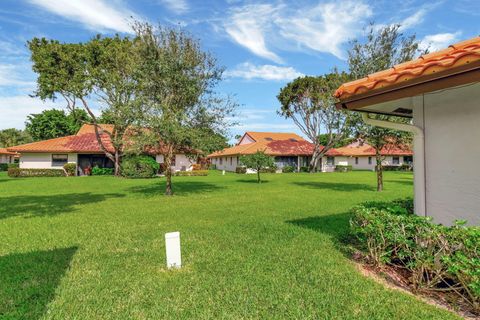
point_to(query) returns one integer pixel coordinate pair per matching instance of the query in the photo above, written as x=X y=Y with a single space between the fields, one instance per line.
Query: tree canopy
x=13 y=137
x=55 y=123
x=257 y=161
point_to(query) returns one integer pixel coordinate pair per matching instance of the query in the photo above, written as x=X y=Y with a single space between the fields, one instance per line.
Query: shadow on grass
x=44 y=205
x=254 y=181
x=28 y=281
x=337 y=186
x=179 y=188
x=335 y=225
x=404 y=182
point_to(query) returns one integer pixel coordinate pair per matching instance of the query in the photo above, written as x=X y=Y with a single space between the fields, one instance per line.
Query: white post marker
x=172 y=245
x=223 y=172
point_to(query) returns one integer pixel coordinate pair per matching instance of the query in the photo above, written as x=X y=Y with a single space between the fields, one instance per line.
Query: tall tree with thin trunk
x=380 y=50
x=102 y=69
x=257 y=161
x=177 y=89
x=309 y=102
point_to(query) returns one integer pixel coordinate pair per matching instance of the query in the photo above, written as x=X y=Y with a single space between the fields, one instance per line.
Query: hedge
x=139 y=167
x=343 y=168
x=70 y=169
x=241 y=170
x=97 y=171
x=17 y=172
x=288 y=169
x=403 y=167
x=3 y=166
x=435 y=257
x=192 y=173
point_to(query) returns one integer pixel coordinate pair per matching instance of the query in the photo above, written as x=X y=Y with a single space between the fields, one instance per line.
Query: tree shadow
x=43 y=205
x=337 y=186
x=254 y=181
x=335 y=225
x=28 y=281
x=404 y=182
x=179 y=188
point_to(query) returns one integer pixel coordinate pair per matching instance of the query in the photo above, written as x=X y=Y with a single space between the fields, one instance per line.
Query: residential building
x=82 y=149
x=7 y=156
x=440 y=91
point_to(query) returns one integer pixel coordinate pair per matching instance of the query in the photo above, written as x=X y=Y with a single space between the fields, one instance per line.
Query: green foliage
x=70 y=169
x=192 y=173
x=139 y=167
x=343 y=168
x=436 y=257
x=403 y=167
x=55 y=123
x=303 y=169
x=13 y=137
x=288 y=169
x=241 y=170
x=257 y=161
x=309 y=102
x=324 y=139
x=97 y=171
x=18 y=172
x=3 y=166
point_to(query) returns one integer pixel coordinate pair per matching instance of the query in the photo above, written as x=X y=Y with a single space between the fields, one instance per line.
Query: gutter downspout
x=418 y=158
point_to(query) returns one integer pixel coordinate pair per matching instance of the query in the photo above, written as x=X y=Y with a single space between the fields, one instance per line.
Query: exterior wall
x=362 y=162
x=452 y=183
x=5 y=158
x=42 y=160
x=182 y=162
x=229 y=163
x=246 y=139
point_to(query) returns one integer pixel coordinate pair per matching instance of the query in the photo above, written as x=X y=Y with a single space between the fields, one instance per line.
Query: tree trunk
x=314 y=161
x=117 y=163
x=168 y=172
x=258 y=175
x=379 y=170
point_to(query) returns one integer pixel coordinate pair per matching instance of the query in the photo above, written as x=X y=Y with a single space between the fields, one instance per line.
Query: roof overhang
x=465 y=74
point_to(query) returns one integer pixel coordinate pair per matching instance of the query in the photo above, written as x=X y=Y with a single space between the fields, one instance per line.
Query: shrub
x=3 y=166
x=139 y=167
x=192 y=173
x=403 y=167
x=196 y=166
x=288 y=169
x=272 y=169
x=213 y=167
x=97 y=171
x=436 y=257
x=17 y=172
x=13 y=165
x=343 y=168
x=304 y=169
x=241 y=170
x=70 y=169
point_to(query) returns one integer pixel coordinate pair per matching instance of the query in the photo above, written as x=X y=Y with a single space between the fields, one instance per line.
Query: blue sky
x=262 y=44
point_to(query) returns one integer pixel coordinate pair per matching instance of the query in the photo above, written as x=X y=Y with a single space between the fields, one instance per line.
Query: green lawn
x=93 y=248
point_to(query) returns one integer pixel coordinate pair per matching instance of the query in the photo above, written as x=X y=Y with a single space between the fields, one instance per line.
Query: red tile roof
x=4 y=151
x=448 y=60
x=357 y=149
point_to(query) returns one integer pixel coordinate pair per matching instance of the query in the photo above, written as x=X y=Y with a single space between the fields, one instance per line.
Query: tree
x=177 y=89
x=103 y=69
x=324 y=138
x=55 y=123
x=13 y=137
x=309 y=102
x=382 y=49
x=257 y=161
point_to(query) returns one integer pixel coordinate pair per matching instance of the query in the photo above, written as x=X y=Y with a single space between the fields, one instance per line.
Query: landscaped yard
x=93 y=248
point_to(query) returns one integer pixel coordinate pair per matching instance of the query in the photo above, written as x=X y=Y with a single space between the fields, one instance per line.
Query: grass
x=93 y=248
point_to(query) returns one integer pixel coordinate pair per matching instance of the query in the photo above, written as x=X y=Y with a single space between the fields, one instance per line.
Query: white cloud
x=439 y=41
x=247 y=26
x=177 y=6
x=413 y=20
x=9 y=77
x=94 y=14
x=266 y=126
x=322 y=28
x=326 y=27
x=250 y=71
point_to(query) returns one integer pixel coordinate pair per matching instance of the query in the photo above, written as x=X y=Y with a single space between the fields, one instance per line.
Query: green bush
x=212 y=167
x=13 y=165
x=70 y=169
x=241 y=170
x=97 y=171
x=436 y=257
x=342 y=168
x=17 y=172
x=304 y=169
x=139 y=167
x=192 y=173
x=3 y=166
x=403 y=167
x=288 y=169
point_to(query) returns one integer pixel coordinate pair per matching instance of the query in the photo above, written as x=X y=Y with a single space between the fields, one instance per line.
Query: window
x=396 y=160
x=369 y=160
x=58 y=160
x=356 y=160
x=330 y=161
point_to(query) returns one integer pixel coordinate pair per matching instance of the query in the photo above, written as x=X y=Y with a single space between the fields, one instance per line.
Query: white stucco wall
x=363 y=162
x=182 y=162
x=227 y=163
x=6 y=158
x=451 y=120
x=42 y=160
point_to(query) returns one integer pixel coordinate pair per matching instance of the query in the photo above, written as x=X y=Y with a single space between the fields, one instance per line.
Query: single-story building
x=82 y=149
x=7 y=156
x=361 y=156
x=440 y=92
x=288 y=149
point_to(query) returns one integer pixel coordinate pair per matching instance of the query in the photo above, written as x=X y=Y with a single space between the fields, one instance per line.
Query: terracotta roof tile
x=4 y=151
x=454 y=56
x=357 y=150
